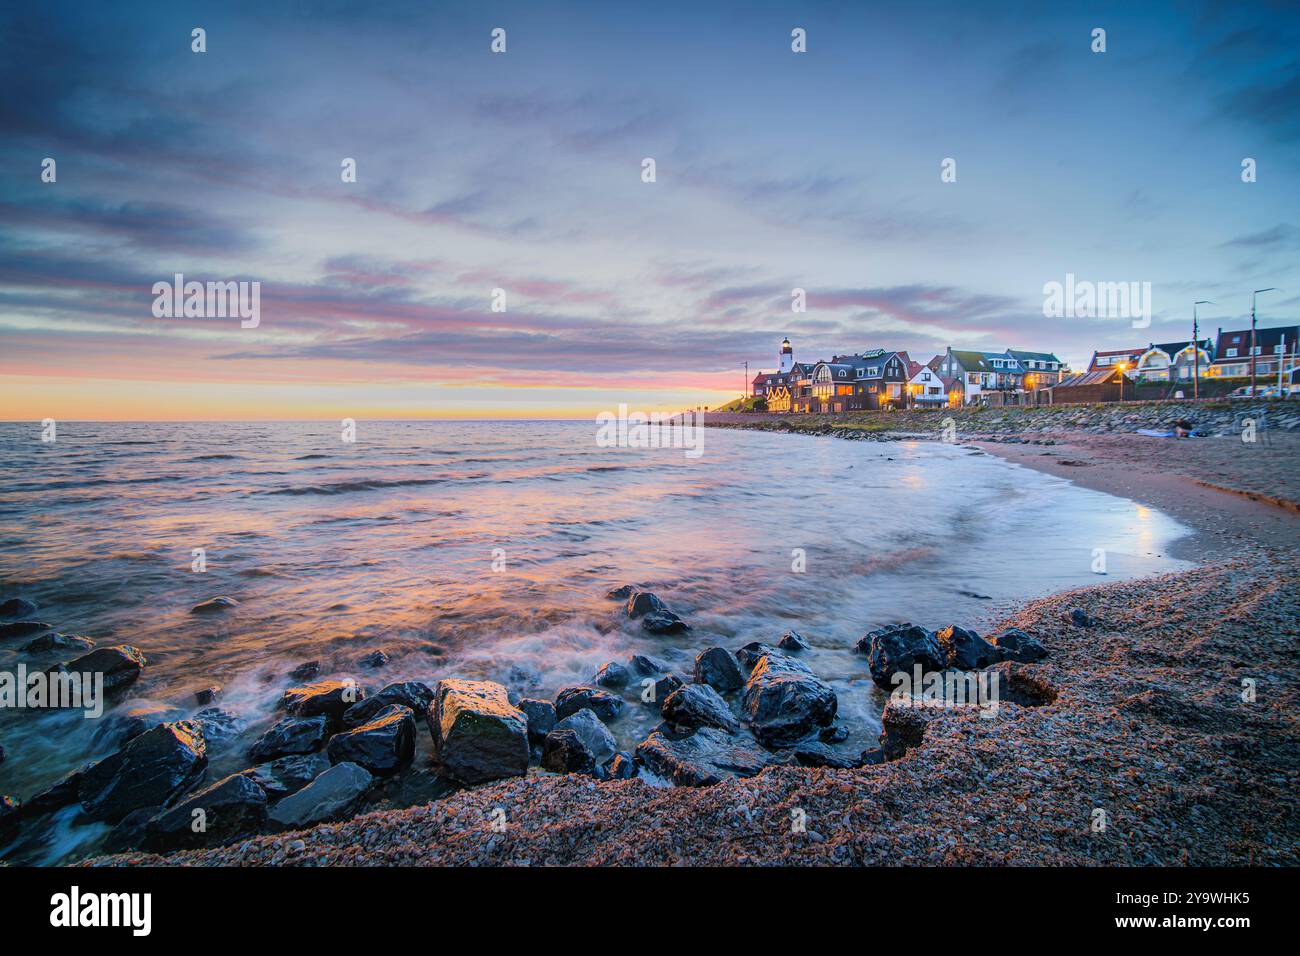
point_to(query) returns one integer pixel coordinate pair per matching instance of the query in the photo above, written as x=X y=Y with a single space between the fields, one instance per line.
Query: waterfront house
x=926 y=387
x=1041 y=369
x=1171 y=361
x=1273 y=348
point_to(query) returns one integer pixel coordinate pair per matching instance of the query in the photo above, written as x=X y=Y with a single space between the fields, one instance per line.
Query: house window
x=1231 y=353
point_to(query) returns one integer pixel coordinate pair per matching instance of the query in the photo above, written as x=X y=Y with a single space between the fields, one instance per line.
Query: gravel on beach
x=1150 y=735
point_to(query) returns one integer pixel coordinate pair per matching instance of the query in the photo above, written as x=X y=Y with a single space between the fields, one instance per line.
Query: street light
x=1122 y=366
x=1252 y=336
x=1196 y=349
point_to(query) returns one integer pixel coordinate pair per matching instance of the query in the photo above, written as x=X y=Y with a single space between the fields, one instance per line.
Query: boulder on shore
x=785 y=702
x=655 y=615
x=17 y=607
x=640 y=603
x=149 y=771
x=749 y=654
x=55 y=641
x=414 y=694
x=279 y=778
x=606 y=706
x=701 y=759
x=120 y=665
x=227 y=810
x=214 y=605
x=1015 y=645
x=593 y=733
x=541 y=717
x=791 y=641
x=335 y=795
x=966 y=650
x=643 y=665
x=329 y=697
x=718 y=668
x=292 y=735
x=21 y=628
x=612 y=674
x=384 y=745
x=565 y=752
x=698 y=705
x=897 y=649
x=477 y=734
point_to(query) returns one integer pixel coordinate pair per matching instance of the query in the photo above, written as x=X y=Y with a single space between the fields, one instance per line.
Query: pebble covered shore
x=1149 y=726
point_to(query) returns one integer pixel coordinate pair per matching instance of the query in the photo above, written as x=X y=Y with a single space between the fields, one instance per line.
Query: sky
x=523 y=171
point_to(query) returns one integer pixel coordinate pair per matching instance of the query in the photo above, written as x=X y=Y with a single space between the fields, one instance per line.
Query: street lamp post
x=1122 y=366
x=1196 y=349
x=1252 y=337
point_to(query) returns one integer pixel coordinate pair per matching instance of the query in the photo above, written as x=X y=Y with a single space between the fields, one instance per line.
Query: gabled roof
x=1099 y=377
x=1173 y=348
x=970 y=361
x=1266 y=339
x=991 y=357
x=1021 y=356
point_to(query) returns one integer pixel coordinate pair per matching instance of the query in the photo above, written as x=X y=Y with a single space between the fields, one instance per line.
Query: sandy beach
x=1170 y=739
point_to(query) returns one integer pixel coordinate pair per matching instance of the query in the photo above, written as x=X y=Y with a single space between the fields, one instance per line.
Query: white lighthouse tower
x=787 y=356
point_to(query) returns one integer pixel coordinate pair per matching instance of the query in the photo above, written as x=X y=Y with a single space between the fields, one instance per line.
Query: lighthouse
x=787 y=356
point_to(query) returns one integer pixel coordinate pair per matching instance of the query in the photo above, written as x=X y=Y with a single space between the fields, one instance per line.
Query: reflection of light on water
x=1146 y=539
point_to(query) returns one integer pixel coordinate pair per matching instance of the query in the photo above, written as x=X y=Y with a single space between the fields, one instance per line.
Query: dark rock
x=664 y=686
x=565 y=752
x=130 y=832
x=1078 y=618
x=718 y=668
x=292 y=735
x=749 y=654
x=871 y=758
x=811 y=754
x=612 y=674
x=214 y=605
x=606 y=706
x=374 y=660
x=208 y=695
x=219 y=725
x=9 y=816
x=665 y=622
x=305 y=671
x=621 y=594
x=966 y=650
x=120 y=665
x=21 y=628
x=541 y=717
x=791 y=641
x=335 y=795
x=477 y=734
x=16 y=607
x=149 y=771
x=54 y=641
x=384 y=745
x=593 y=733
x=127 y=723
x=902 y=728
x=227 y=810
x=331 y=698
x=621 y=766
x=640 y=603
x=2 y=753
x=644 y=666
x=414 y=694
x=279 y=778
x=1022 y=684
x=785 y=702
x=1015 y=645
x=898 y=649
x=698 y=705
x=56 y=797
x=833 y=735
x=701 y=759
